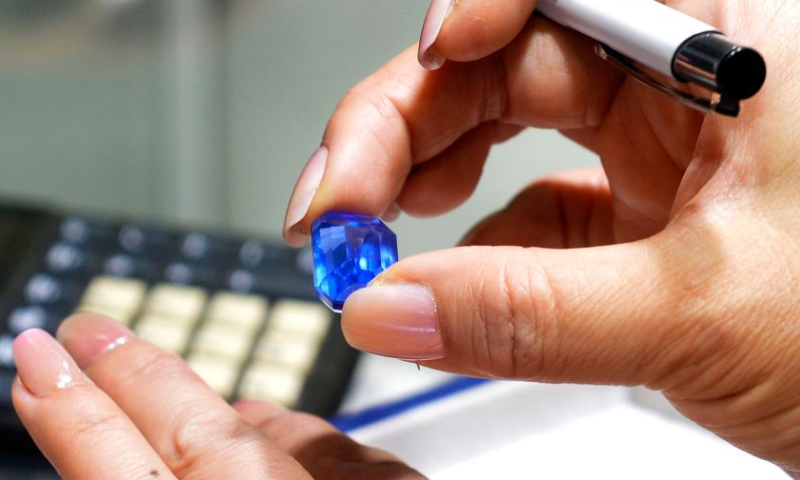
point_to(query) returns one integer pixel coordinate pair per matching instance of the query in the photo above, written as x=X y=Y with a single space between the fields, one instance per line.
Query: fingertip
x=42 y=364
x=86 y=336
x=394 y=320
x=475 y=30
x=296 y=237
x=435 y=18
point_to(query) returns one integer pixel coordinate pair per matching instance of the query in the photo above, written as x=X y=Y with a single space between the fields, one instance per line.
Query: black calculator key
x=6 y=351
x=25 y=318
x=125 y=265
x=6 y=382
x=79 y=231
x=279 y=284
x=139 y=240
x=203 y=248
x=63 y=257
x=184 y=273
x=258 y=255
x=196 y=246
x=305 y=261
x=34 y=316
x=66 y=260
x=44 y=289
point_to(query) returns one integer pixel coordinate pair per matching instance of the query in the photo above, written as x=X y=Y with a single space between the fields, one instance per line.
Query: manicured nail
x=42 y=363
x=434 y=20
x=88 y=336
x=391 y=214
x=303 y=194
x=394 y=320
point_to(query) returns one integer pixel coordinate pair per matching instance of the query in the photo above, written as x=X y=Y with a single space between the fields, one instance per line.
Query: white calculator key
x=176 y=301
x=119 y=294
x=223 y=341
x=286 y=348
x=267 y=382
x=122 y=316
x=218 y=373
x=302 y=317
x=171 y=336
x=246 y=312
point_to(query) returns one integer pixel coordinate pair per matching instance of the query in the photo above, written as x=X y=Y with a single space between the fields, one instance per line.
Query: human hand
x=133 y=411
x=674 y=267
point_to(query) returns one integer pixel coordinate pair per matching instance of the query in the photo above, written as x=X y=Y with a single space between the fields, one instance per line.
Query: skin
x=673 y=267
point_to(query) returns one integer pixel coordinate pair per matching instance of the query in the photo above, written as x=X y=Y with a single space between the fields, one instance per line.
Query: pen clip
x=723 y=106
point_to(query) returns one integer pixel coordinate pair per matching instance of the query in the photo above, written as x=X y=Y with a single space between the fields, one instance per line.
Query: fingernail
x=394 y=320
x=303 y=194
x=391 y=214
x=87 y=336
x=43 y=365
x=434 y=20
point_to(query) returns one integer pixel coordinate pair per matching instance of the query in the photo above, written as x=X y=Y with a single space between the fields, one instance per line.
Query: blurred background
x=203 y=112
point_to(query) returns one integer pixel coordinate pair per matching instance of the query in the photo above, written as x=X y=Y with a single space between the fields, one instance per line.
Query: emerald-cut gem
x=349 y=251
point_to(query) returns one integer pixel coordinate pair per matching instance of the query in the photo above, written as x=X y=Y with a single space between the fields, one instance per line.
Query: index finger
x=404 y=115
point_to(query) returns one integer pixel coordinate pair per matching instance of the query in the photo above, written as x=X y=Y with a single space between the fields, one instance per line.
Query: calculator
x=241 y=311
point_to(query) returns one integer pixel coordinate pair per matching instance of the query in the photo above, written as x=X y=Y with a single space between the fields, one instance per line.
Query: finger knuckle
x=517 y=310
x=199 y=431
x=153 y=365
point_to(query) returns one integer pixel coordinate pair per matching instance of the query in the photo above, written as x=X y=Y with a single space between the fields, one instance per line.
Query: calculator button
x=241 y=281
x=245 y=312
x=258 y=255
x=179 y=273
x=305 y=261
x=124 y=265
x=64 y=258
x=268 y=382
x=75 y=230
x=43 y=289
x=305 y=318
x=219 y=374
x=187 y=274
x=6 y=351
x=282 y=283
x=118 y=294
x=221 y=341
x=78 y=231
x=25 y=318
x=120 y=265
x=176 y=301
x=196 y=246
x=170 y=336
x=289 y=349
x=252 y=253
x=138 y=240
x=122 y=316
x=6 y=383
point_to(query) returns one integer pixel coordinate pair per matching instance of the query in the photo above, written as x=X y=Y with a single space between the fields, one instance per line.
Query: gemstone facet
x=349 y=251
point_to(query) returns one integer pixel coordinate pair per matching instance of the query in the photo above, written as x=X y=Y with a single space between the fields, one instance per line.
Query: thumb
x=605 y=315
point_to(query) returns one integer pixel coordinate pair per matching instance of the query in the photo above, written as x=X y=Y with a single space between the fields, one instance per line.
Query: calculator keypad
x=243 y=314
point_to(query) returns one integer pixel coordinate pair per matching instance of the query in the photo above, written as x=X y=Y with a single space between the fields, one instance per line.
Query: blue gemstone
x=349 y=251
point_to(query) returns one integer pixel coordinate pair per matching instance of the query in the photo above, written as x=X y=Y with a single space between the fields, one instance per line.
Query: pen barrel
x=644 y=30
